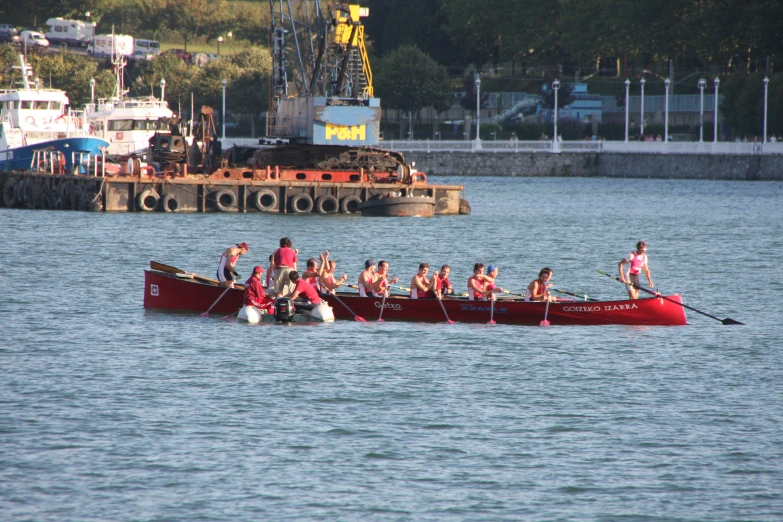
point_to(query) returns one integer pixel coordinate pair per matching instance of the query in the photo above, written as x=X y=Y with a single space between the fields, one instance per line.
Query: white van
x=145 y=49
x=108 y=44
x=33 y=38
x=72 y=32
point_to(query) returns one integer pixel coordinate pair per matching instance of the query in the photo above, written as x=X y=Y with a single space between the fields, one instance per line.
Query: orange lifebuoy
x=149 y=170
x=60 y=119
x=420 y=176
x=119 y=136
x=30 y=119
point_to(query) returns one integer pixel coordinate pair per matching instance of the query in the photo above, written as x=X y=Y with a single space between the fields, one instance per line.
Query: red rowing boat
x=170 y=288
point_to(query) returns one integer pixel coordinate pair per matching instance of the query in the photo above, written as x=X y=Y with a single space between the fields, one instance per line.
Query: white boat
x=127 y=123
x=38 y=124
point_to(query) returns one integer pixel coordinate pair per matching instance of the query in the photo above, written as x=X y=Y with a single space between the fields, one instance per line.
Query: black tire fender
x=327 y=204
x=220 y=200
x=148 y=200
x=170 y=203
x=301 y=203
x=9 y=192
x=349 y=204
x=265 y=200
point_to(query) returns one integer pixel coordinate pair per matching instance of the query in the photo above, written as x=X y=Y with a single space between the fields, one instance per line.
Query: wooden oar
x=383 y=304
x=206 y=314
x=728 y=320
x=546 y=314
x=173 y=270
x=492 y=310
x=448 y=321
x=358 y=318
x=580 y=296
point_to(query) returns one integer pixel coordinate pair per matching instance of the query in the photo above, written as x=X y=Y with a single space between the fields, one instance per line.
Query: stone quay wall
x=755 y=167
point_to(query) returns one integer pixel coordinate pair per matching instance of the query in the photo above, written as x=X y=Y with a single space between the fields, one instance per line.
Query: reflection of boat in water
x=127 y=123
x=37 y=122
x=170 y=288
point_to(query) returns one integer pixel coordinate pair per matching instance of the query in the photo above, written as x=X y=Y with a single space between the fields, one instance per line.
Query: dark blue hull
x=20 y=157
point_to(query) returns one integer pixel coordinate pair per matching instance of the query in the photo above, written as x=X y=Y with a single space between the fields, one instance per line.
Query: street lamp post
x=702 y=85
x=641 y=115
x=219 y=41
x=162 y=89
x=715 y=118
x=627 y=108
x=666 y=84
x=766 y=88
x=556 y=87
x=478 y=109
x=223 y=83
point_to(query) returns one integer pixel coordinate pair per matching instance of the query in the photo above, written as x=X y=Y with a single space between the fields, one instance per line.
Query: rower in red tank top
x=477 y=283
x=420 y=285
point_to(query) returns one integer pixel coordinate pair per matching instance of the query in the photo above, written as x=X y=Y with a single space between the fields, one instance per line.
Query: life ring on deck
x=419 y=176
x=170 y=203
x=9 y=193
x=265 y=200
x=225 y=200
x=148 y=200
x=350 y=204
x=60 y=119
x=327 y=204
x=148 y=170
x=301 y=203
x=30 y=119
x=120 y=135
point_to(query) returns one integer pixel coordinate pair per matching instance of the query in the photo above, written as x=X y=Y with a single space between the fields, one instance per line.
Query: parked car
x=33 y=38
x=8 y=33
x=182 y=54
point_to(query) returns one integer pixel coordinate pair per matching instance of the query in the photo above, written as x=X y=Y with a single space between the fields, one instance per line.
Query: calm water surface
x=108 y=412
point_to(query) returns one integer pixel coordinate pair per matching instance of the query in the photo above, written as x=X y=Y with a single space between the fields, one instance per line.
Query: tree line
x=517 y=45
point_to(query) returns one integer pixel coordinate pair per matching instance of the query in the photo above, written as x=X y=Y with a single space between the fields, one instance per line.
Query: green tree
x=409 y=80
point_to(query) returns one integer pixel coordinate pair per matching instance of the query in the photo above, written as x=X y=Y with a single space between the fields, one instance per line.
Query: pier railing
x=544 y=147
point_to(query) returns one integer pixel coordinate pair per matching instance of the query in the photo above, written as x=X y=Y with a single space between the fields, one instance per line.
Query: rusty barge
x=289 y=179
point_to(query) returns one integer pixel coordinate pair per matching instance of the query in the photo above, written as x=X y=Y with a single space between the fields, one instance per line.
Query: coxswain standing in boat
x=382 y=281
x=284 y=261
x=477 y=283
x=420 y=285
x=441 y=285
x=254 y=291
x=303 y=290
x=637 y=261
x=226 y=271
x=538 y=289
